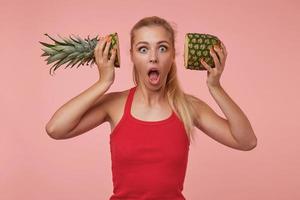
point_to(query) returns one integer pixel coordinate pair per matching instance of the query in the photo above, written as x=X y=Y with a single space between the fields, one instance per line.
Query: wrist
x=213 y=87
x=104 y=83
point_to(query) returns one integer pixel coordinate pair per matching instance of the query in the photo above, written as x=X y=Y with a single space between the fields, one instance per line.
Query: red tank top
x=149 y=158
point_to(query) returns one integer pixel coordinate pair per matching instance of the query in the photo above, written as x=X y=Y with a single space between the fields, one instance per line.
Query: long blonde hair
x=178 y=100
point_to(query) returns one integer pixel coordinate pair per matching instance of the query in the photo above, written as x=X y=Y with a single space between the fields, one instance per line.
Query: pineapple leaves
x=57 y=42
x=55 y=57
x=76 y=41
x=71 y=51
x=47 y=45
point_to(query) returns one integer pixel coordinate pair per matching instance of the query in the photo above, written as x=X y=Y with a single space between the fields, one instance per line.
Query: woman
x=152 y=122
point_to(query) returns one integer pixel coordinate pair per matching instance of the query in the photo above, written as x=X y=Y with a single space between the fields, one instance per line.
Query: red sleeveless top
x=149 y=158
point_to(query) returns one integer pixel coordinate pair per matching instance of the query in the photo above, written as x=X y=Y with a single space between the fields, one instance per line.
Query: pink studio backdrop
x=261 y=76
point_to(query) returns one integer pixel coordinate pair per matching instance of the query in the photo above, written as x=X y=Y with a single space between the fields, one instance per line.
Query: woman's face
x=152 y=48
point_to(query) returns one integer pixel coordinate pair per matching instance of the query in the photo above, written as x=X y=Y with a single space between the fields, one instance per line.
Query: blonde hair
x=179 y=101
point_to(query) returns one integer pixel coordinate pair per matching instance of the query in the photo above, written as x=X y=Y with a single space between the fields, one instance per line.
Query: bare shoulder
x=111 y=99
x=213 y=125
x=198 y=105
x=115 y=98
x=195 y=101
x=114 y=104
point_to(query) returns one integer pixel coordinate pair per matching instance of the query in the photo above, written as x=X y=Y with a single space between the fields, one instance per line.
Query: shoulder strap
x=129 y=100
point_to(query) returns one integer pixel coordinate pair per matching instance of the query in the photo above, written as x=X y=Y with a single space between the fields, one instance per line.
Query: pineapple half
x=76 y=50
x=196 y=46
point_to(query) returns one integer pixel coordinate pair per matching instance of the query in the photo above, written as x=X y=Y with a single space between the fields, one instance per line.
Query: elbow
x=250 y=146
x=51 y=133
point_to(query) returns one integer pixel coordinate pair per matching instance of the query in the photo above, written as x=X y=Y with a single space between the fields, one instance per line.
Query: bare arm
x=70 y=114
x=87 y=109
x=235 y=131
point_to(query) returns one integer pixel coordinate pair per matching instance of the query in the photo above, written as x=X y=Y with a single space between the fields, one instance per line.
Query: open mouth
x=153 y=76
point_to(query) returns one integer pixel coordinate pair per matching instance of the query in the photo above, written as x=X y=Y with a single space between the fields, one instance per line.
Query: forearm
x=69 y=114
x=239 y=124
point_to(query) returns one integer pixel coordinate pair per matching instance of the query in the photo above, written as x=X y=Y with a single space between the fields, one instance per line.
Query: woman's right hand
x=105 y=66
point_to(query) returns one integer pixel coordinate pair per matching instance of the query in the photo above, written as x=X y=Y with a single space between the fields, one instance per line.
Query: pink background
x=261 y=75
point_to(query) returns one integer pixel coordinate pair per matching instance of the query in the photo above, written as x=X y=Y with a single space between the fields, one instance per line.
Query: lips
x=153 y=69
x=154 y=75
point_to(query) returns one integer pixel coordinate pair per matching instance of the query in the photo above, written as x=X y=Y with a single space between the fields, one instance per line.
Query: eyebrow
x=144 y=42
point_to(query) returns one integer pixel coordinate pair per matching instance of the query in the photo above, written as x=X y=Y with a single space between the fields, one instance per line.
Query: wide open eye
x=161 y=47
x=141 y=48
x=164 y=47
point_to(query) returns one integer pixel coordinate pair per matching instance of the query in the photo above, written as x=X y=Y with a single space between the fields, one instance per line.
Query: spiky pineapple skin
x=196 y=46
x=76 y=51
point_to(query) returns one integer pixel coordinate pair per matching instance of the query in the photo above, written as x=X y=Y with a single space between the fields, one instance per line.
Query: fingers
x=220 y=54
x=207 y=67
x=224 y=49
x=99 y=48
x=100 y=55
x=215 y=58
x=105 y=53
x=113 y=55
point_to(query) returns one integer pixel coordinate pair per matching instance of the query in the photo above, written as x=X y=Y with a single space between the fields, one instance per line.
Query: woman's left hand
x=214 y=74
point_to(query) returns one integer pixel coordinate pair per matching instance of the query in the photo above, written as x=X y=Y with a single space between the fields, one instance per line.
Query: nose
x=153 y=57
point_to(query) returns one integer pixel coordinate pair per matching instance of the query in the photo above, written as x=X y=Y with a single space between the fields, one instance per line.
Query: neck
x=151 y=98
